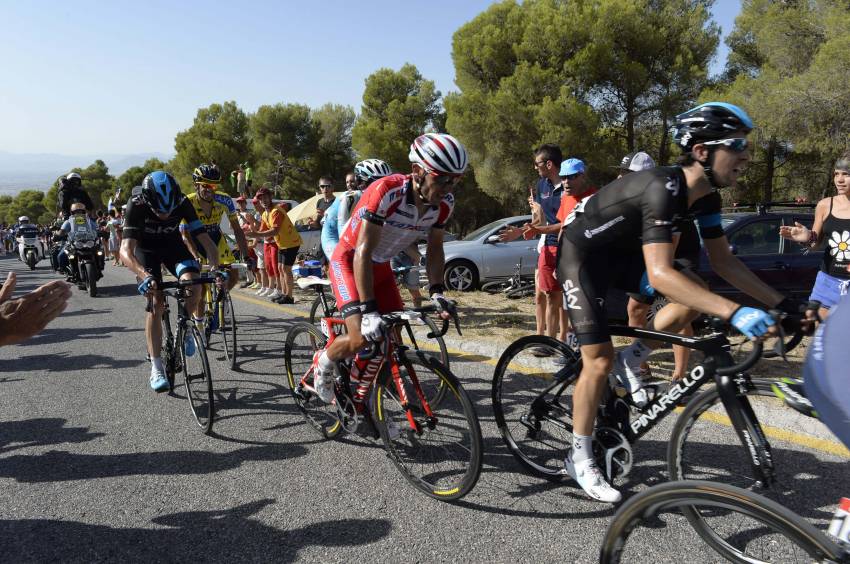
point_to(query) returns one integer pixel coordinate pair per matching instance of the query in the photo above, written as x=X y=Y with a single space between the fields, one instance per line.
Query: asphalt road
x=94 y=466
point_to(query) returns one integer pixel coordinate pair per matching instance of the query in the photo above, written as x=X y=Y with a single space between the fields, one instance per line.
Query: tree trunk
x=770 y=161
x=664 y=148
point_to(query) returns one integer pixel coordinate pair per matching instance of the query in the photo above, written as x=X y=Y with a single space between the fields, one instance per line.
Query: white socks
x=582 y=448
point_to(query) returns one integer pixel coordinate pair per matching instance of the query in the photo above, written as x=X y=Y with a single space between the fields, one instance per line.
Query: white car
x=480 y=256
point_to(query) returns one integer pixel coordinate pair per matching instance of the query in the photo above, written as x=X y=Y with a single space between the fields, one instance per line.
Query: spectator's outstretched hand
x=8 y=287
x=24 y=317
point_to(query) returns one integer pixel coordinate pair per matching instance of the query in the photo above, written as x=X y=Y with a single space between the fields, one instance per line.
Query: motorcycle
x=30 y=251
x=85 y=253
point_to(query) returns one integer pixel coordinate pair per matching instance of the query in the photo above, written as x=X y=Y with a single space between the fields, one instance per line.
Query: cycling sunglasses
x=734 y=144
x=445 y=180
x=206 y=185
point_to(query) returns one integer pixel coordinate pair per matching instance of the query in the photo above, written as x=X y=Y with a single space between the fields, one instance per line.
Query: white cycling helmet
x=440 y=153
x=73 y=175
x=371 y=169
x=23 y=219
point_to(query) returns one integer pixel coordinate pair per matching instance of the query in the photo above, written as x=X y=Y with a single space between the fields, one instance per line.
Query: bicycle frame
x=389 y=352
x=615 y=412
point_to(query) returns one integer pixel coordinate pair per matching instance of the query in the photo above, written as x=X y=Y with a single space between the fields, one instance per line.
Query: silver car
x=480 y=256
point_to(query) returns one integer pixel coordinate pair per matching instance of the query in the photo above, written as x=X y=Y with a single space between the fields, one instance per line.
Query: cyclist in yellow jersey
x=211 y=208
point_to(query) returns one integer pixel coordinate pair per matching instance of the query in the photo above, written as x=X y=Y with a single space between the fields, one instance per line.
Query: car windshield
x=481 y=230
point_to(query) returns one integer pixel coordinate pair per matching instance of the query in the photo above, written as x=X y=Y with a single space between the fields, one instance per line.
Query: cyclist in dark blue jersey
x=625 y=236
x=151 y=238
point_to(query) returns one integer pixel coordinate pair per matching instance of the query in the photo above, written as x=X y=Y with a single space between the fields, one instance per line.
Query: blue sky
x=95 y=77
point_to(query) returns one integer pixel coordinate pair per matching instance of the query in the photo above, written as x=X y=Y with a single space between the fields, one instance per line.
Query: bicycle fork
x=404 y=399
x=746 y=425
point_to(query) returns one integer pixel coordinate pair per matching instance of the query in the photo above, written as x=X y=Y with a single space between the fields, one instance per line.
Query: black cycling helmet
x=207 y=173
x=161 y=192
x=709 y=122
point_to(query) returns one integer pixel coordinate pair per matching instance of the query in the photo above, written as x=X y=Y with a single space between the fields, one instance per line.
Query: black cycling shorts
x=176 y=258
x=586 y=278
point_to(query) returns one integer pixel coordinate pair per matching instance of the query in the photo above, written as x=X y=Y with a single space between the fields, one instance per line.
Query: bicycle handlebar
x=392 y=318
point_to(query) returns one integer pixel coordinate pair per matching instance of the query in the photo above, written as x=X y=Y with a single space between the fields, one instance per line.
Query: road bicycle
x=220 y=318
x=420 y=410
x=718 y=435
x=516 y=286
x=324 y=305
x=195 y=368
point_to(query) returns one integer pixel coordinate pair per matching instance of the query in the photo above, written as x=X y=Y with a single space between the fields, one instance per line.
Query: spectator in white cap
x=634 y=162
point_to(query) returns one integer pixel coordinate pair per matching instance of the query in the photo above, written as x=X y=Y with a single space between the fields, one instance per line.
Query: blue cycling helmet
x=709 y=122
x=161 y=192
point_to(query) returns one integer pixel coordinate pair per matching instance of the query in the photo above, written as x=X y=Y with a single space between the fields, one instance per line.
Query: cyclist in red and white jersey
x=393 y=213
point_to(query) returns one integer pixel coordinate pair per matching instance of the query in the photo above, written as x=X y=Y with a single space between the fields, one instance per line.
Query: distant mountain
x=40 y=170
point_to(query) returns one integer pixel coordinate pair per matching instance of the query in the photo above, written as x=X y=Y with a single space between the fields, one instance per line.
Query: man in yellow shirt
x=278 y=225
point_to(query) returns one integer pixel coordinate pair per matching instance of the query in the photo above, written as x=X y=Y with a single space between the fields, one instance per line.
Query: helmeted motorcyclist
x=25 y=229
x=70 y=191
x=78 y=226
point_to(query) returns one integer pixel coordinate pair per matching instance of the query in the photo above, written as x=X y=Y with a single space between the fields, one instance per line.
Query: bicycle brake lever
x=456 y=319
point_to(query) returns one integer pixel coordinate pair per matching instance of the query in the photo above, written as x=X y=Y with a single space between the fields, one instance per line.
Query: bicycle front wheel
x=705 y=446
x=754 y=529
x=440 y=454
x=227 y=327
x=523 y=291
x=532 y=394
x=302 y=342
x=197 y=376
x=170 y=358
x=495 y=286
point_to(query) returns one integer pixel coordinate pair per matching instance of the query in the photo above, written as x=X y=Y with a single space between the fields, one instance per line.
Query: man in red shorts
x=393 y=213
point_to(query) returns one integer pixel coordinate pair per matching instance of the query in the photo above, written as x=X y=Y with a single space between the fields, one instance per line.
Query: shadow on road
x=228 y=535
x=64 y=362
x=63 y=466
x=53 y=335
x=40 y=432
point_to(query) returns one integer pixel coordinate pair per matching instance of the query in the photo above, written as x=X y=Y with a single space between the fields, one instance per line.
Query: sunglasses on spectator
x=734 y=144
x=78 y=212
x=325 y=185
x=571 y=176
x=541 y=163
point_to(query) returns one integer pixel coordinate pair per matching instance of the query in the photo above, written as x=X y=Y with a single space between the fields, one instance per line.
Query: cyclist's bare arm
x=367 y=241
x=190 y=244
x=436 y=256
x=678 y=287
x=128 y=257
x=241 y=242
x=730 y=268
x=210 y=248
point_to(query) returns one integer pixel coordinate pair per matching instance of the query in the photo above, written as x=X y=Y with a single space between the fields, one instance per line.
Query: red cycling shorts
x=270 y=254
x=341 y=274
x=547 y=264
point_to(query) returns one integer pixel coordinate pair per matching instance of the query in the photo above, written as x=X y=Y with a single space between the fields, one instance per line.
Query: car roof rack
x=761 y=208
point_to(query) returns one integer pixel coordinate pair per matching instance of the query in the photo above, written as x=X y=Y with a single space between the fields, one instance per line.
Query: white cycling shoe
x=629 y=377
x=323 y=380
x=588 y=475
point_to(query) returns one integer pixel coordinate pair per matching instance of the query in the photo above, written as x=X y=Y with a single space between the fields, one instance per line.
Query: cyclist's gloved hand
x=371 y=324
x=752 y=322
x=145 y=285
x=441 y=302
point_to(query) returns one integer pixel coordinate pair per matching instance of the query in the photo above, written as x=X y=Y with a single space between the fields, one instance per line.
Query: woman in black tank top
x=830 y=232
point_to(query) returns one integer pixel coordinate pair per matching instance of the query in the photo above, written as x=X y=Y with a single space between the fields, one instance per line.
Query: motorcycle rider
x=78 y=226
x=70 y=191
x=27 y=230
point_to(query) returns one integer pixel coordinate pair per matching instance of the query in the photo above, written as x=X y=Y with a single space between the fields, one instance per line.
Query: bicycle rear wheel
x=317 y=311
x=532 y=395
x=754 y=529
x=440 y=455
x=495 y=286
x=302 y=341
x=197 y=376
x=227 y=327
x=524 y=290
